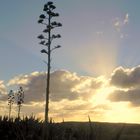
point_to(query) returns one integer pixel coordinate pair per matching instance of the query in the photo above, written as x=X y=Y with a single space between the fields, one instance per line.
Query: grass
x=30 y=128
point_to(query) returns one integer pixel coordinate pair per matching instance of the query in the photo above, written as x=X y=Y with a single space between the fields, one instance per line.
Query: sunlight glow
x=102 y=93
x=122 y=113
x=101 y=58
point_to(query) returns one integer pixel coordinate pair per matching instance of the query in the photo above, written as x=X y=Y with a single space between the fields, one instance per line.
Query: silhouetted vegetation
x=47 y=19
x=16 y=97
x=11 y=98
x=30 y=128
x=20 y=99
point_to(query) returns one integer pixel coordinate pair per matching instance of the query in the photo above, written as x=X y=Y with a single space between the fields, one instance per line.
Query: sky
x=96 y=72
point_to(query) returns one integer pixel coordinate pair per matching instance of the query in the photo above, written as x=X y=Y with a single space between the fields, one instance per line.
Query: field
x=31 y=129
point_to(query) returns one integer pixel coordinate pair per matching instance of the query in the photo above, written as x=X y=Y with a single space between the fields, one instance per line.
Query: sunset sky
x=96 y=72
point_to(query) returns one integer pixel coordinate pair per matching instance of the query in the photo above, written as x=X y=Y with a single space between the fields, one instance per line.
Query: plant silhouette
x=11 y=98
x=46 y=38
x=20 y=99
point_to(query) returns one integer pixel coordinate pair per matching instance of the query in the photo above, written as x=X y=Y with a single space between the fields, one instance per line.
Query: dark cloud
x=60 y=87
x=64 y=85
x=126 y=78
x=132 y=96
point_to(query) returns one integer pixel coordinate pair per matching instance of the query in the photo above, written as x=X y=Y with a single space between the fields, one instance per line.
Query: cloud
x=2 y=88
x=126 y=78
x=70 y=94
x=3 y=91
x=131 y=96
x=119 y=25
x=64 y=85
x=3 y=108
x=79 y=110
x=127 y=82
x=126 y=19
x=74 y=97
x=70 y=108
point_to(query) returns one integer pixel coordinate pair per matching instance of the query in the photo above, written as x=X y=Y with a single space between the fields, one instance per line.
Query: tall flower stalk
x=20 y=99
x=11 y=98
x=47 y=19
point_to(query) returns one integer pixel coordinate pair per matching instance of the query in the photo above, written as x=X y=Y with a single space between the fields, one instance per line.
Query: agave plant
x=20 y=99
x=11 y=97
x=46 y=39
